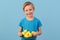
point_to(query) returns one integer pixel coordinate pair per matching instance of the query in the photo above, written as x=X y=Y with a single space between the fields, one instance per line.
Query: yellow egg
x=24 y=32
x=29 y=34
x=32 y=32
x=26 y=36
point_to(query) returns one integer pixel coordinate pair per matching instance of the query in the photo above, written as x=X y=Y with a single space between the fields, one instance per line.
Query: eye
x=30 y=9
x=26 y=10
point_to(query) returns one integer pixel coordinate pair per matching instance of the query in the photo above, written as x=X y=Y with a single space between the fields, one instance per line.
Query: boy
x=30 y=22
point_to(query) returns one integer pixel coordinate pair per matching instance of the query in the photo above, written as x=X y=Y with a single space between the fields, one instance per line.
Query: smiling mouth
x=30 y=14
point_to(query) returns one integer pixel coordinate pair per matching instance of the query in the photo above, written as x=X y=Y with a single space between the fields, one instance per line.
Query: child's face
x=29 y=10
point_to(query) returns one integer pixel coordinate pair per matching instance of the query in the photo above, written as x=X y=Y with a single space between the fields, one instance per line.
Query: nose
x=29 y=11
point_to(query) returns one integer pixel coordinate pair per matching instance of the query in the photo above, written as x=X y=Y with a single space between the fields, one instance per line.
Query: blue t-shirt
x=30 y=25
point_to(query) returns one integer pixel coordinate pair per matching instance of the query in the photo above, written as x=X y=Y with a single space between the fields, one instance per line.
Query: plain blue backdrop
x=48 y=11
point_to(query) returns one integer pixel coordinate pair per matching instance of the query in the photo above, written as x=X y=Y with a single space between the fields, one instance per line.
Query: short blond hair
x=28 y=3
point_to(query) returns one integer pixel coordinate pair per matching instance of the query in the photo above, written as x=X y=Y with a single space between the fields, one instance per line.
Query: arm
x=39 y=31
x=20 y=32
x=20 y=29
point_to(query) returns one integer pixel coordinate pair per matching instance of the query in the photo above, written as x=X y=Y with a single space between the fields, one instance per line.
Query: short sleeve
x=39 y=23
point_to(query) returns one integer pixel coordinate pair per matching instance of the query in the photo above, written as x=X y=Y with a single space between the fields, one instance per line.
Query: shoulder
x=37 y=19
x=22 y=20
x=39 y=22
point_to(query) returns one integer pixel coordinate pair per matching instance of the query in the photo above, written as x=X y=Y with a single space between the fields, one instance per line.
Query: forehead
x=28 y=7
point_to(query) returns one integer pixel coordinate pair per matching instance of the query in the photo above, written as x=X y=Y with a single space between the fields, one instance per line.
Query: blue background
x=48 y=11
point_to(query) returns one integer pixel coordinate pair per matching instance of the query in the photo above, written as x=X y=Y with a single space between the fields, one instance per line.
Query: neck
x=29 y=17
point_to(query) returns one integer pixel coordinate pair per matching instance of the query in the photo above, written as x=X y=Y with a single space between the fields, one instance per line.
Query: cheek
x=32 y=11
x=26 y=12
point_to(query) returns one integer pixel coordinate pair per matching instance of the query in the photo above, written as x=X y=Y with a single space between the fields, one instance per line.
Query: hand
x=35 y=34
x=20 y=34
